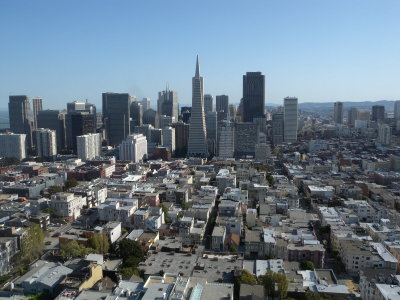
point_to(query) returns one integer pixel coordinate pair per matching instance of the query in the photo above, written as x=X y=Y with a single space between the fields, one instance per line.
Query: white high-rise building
x=338 y=112
x=197 y=144
x=168 y=138
x=290 y=119
x=226 y=142
x=397 y=110
x=13 y=145
x=384 y=134
x=133 y=148
x=88 y=146
x=46 y=142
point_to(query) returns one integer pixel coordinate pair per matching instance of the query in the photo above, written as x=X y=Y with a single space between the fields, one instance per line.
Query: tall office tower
x=338 y=112
x=222 y=105
x=246 y=138
x=384 y=134
x=277 y=128
x=211 y=125
x=88 y=146
x=75 y=105
x=232 y=111
x=363 y=114
x=150 y=116
x=116 y=114
x=54 y=120
x=197 y=145
x=253 y=96
x=136 y=114
x=168 y=138
x=181 y=138
x=186 y=112
x=13 y=145
x=208 y=103
x=37 y=106
x=352 y=116
x=145 y=103
x=226 y=144
x=378 y=113
x=397 y=109
x=133 y=148
x=78 y=123
x=290 y=119
x=167 y=103
x=165 y=121
x=20 y=117
x=46 y=142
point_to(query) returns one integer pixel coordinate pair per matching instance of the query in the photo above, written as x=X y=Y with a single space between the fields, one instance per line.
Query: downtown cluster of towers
x=202 y=130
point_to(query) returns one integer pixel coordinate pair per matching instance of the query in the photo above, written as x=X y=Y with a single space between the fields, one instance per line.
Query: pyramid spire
x=197 y=74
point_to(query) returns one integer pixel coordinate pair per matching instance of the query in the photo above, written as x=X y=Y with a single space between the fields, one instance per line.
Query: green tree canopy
x=70 y=183
x=307 y=265
x=247 y=278
x=54 y=189
x=32 y=244
x=99 y=242
x=275 y=284
x=129 y=248
x=73 y=250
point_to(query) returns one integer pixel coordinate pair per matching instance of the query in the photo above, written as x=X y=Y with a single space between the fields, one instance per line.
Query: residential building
x=67 y=205
x=46 y=142
x=168 y=138
x=277 y=128
x=13 y=145
x=384 y=134
x=88 y=146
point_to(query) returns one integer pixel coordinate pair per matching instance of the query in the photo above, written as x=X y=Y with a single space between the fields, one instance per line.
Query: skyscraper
x=145 y=104
x=37 y=106
x=211 y=125
x=277 y=129
x=168 y=138
x=338 y=112
x=208 y=103
x=197 y=145
x=226 y=141
x=378 y=113
x=397 y=110
x=222 y=105
x=290 y=119
x=116 y=114
x=45 y=141
x=181 y=138
x=55 y=120
x=13 y=145
x=20 y=117
x=253 y=96
x=78 y=123
x=136 y=114
x=167 y=103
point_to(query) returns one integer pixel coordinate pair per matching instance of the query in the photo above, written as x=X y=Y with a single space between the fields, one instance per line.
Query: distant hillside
x=389 y=104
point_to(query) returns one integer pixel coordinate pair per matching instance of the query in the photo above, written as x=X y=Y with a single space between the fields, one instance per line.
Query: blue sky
x=317 y=50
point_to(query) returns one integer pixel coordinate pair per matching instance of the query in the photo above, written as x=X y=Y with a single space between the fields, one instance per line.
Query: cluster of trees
x=307 y=265
x=132 y=254
x=69 y=183
x=275 y=284
x=98 y=243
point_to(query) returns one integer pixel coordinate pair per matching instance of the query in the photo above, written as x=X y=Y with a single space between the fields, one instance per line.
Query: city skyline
x=329 y=62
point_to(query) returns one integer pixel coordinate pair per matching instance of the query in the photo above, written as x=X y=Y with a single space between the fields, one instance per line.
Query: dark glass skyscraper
x=55 y=120
x=222 y=105
x=116 y=115
x=253 y=96
x=20 y=116
x=378 y=113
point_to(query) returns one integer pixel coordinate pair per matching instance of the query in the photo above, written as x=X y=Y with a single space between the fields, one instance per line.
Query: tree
x=275 y=284
x=307 y=265
x=247 y=278
x=73 y=250
x=32 y=244
x=127 y=273
x=232 y=249
x=49 y=210
x=70 y=183
x=54 y=189
x=99 y=242
x=185 y=205
x=129 y=248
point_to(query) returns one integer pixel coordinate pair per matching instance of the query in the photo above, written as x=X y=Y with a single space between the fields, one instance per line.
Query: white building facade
x=13 y=145
x=88 y=146
x=134 y=148
x=46 y=142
